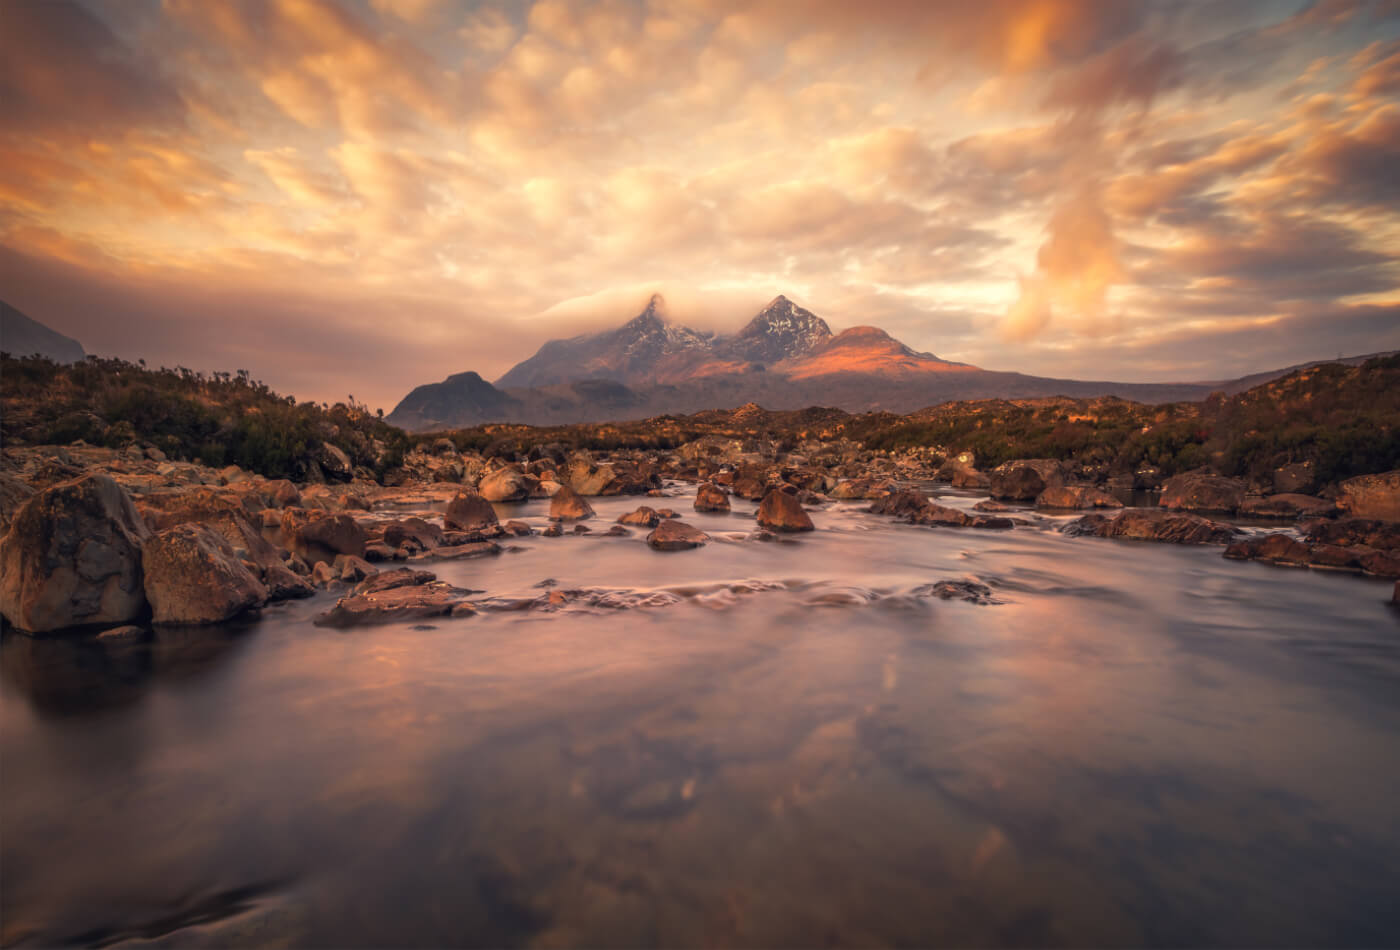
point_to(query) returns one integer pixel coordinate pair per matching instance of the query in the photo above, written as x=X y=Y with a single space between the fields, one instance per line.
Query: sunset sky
x=357 y=197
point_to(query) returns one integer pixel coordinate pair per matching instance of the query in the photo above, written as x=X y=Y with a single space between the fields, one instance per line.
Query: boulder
x=932 y=514
x=1287 y=506
x=1075 y=497
x=567 y=505
x=315 y=534
x=710 y=497
x=13 y=493
x=193 y=576
x=419 y=533
x=1024 y=479
x=901 y=503
x=469 y=511
x=517 y=529
x=1371 y=496
x=1294 y=478
x=1196 y=492
x=73 y=556
x=963 y=476
x=673 y=535
x=334 y=463
x=862 y=488
x=507 y=484
x=282 y=494
x=1154 y=525
x=397 y=595
x=992 y=506
x=351 y=569
x=1274 y=548
x=644 y=516
x=458 y=552
x=780 y=511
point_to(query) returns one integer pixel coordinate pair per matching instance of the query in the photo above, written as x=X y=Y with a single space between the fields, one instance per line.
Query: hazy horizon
x=364 y=196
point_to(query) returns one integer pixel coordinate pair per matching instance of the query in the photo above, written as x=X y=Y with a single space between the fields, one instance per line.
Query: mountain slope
x=781 y=330
x=23 y=336
x=866 y=351
x=463 y=395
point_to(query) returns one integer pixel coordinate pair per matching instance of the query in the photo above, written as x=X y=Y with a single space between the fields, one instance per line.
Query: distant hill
x=23 y=336
x=785 y=358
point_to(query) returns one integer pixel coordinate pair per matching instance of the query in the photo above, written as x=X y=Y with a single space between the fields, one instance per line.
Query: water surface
x=785 y=745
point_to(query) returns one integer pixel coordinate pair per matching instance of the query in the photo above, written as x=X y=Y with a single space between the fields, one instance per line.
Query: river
x=761 y=744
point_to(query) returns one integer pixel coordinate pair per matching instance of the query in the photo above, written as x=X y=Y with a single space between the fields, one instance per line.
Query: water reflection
x=1137 y=745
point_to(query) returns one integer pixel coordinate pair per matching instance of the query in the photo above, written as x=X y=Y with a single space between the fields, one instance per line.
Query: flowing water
x=757 y=744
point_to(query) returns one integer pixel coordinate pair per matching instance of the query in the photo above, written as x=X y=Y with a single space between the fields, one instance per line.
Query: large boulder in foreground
x=192 y=575
x=567 y=505
x=671 y=535
x=780 y=511
x=1195 y=492
x=1024 y=479
x=389 y=596
x=73 y=556
x=469 y=511
x=1076 y=497
x=1154 y=525
x=1371 y=496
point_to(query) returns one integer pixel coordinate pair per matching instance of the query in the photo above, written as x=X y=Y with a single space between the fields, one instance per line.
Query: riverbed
x=781 y=743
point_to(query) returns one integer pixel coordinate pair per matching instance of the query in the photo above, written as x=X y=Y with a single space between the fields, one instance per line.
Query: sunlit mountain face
x=356 y=197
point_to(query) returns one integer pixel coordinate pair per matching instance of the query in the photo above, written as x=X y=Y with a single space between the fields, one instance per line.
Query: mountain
x=781 y=330
x=644 y=349
x=785 y=357
x=22 y=336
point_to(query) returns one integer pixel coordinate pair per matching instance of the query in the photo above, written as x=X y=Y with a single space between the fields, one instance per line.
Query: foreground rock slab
x=1168 y=526
x=192 y=575
x=73 y=556
x=391 y=596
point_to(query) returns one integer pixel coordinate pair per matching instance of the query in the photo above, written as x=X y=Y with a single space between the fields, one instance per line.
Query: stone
x=1294 y=478
x=671 y=535
x=73 y=556
x=553 y=531
x=13 y=493
x=458 y=552
x=1286 y=506
x=1197 y=492
x=351 y=569
x=710 y=497
x=644 y=517
x=193 y=576
x=517 y=529
x=322 y=574
x=992 y=506
x=567 y=505
x=319 y=533
x=125 y=633
x=967 y=477
x=1381 y=564
x=1154 y=525
x=1024 y=479
x=1075 y=497
x=282 y=494
x=1274 y=548
x=335 y=463
x=508 y=484
x=617 y=531
x=422 y=534
x=901 y=503
x=1371 y=496
x=397 y=595
x=780 y=511
x=469 y=511
x=862 y=488
x=970 y=591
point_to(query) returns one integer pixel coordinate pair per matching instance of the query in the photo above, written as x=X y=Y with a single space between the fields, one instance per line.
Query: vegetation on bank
x=220 y=419
x=1343 y=420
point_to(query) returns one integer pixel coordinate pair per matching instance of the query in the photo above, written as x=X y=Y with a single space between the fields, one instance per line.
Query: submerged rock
x=780 y=511
x=73 y=556
x=193 y=576
x=390 y=596
x=970 y=591
x=673 y=535
x=1154 y=525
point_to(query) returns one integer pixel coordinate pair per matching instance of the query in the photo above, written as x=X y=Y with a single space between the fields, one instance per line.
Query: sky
x=353 y=198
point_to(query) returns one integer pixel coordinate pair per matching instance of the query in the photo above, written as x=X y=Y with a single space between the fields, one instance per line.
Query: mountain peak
x=781 y=330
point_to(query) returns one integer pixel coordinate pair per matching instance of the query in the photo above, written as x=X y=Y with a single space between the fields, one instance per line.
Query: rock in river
x=782 y=512
x=73 y=556
x=1076 y=497
x=1024 y=479
x=469 y=511
x=1371 y=496
x=710 y=497
x=566 y=505
x=1196 y=492
x=193 y=576
x=389 y=596
x=676 y=536
x=1154 y=525
x=645 y=517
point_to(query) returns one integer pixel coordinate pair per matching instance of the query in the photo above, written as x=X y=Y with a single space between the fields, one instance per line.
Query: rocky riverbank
x=100 y=539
